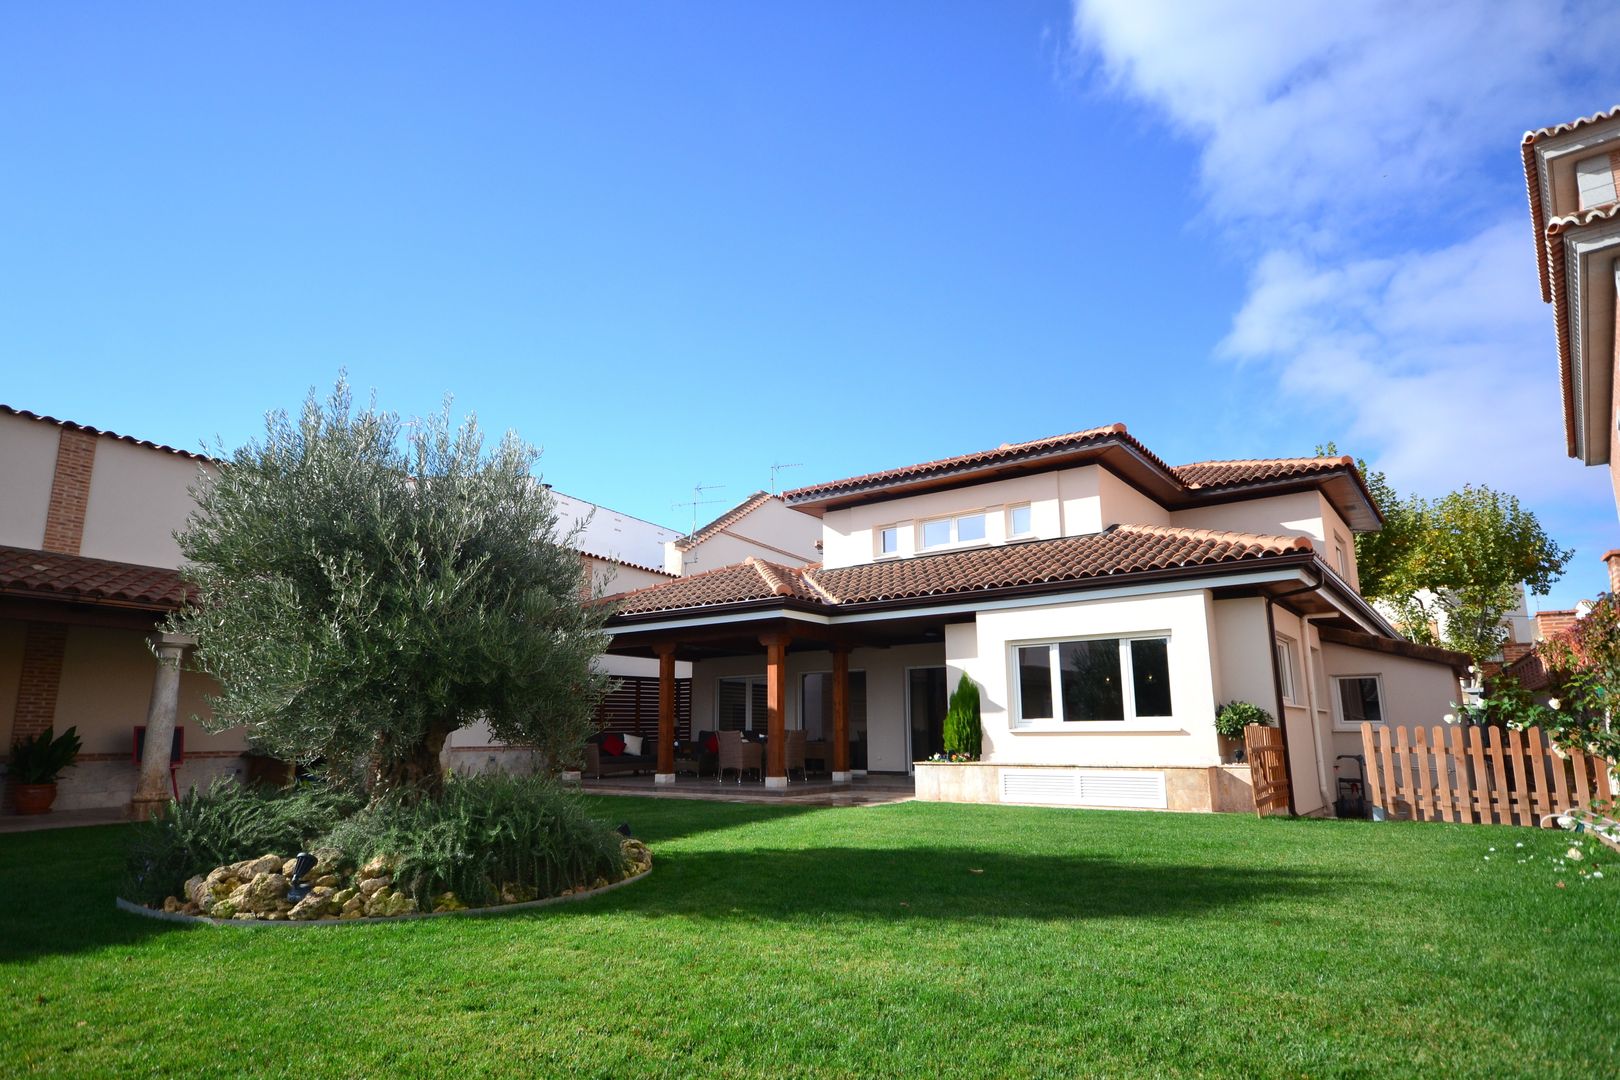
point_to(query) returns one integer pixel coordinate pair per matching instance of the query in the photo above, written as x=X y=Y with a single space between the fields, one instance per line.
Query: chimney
x=1611 y=559
x=1549 y=623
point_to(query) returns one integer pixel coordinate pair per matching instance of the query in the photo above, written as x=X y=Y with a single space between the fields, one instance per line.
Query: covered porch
x=828 y=708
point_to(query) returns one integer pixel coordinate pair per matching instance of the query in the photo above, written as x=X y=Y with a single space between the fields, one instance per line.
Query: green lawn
x=912 y=939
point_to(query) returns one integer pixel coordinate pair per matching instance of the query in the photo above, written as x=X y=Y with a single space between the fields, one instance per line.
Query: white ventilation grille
x=1071 y=787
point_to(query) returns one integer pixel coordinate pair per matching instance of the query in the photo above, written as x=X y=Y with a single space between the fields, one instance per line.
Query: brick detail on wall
x=43 y=646
x=70 y=491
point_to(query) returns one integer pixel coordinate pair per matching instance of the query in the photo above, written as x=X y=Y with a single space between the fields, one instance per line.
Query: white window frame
x=1341 y=556
x=954 y=541
x=1127 y=674
x=877 y=540
x=1339 y=722
x=1014 y=534
x=1284 y=658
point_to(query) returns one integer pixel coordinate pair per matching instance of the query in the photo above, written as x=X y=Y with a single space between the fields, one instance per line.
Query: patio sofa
x=599 y=762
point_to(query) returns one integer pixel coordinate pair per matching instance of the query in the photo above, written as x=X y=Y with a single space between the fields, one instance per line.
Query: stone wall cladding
x=70 y=491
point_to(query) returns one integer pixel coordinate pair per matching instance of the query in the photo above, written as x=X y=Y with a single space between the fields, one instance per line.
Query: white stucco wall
x=1297 y=514
x=985 y=652
x=613 y=578
x=1063 y=503
x=139 y=497
x=27 y=465
x=1121 y=504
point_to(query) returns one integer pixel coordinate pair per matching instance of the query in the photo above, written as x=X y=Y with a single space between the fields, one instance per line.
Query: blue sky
x=674 y=245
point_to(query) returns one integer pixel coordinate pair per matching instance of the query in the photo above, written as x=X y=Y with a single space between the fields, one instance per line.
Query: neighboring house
x=1104 y=602
x=1572 y=173
x=88 y=568
x=762 y=526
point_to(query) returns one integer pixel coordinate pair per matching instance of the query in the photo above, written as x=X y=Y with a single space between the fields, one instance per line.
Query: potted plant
x=1230 y=721
x=36 y=763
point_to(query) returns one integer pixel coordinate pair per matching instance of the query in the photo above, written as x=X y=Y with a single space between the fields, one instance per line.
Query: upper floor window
x=1595 y=180
x=963 y=529
x=889 y=540
x=1341 y=557
x=1019 y=521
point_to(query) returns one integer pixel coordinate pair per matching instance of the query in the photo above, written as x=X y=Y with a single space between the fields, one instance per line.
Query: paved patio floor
x=862 y=791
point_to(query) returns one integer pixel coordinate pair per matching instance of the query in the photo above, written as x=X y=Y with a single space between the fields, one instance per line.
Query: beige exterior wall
x=1413 y=692
x=1121 y=504
x=139 y=498
x=613 y=578
x=888 y=727
x=985 y=652
x=1298 y=514
x=27 y=464
x=771 y=531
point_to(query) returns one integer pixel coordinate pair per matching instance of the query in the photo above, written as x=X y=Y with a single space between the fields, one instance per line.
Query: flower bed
x=257 y=890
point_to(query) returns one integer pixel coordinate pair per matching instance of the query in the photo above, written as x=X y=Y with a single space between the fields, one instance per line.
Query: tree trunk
x=413 y=773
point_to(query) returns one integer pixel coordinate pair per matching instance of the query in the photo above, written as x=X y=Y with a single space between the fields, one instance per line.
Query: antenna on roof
x=698 y=500
x=778 y=468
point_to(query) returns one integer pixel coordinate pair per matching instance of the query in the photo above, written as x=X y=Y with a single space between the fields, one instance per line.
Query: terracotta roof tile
x=52 y=576
x=725 y=520
x=1219 y=474
x=72 y=426
x=1122 y=550
x=1005 y=452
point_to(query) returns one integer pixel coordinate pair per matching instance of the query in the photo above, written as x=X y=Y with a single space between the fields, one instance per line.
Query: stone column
x=152 y=790
x=775 y=709
x=665 y=773
x=840 y=731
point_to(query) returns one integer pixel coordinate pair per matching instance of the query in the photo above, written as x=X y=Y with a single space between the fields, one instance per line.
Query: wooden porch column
x=665 y=773
x=840 y=731
x=775 y=709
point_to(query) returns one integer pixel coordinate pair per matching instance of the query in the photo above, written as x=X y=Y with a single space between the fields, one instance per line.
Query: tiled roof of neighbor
x=1532 y=183
x=1122 y=550
x=1558 y=293
x=1217 y=474
x=53 y=576
x=72 y=426
x=1004 y=452
x=725 y=520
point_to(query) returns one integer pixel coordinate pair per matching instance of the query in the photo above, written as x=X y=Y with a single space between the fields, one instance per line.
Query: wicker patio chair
x=738 y=754
x=793 y=755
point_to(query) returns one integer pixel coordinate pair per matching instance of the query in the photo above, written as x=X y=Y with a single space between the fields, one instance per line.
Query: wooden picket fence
x=1486 y=776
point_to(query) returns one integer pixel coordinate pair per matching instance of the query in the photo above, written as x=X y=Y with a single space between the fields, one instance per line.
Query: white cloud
x=1334 y=140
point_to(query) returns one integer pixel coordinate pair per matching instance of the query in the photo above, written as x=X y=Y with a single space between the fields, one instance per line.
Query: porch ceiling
x=743 y=639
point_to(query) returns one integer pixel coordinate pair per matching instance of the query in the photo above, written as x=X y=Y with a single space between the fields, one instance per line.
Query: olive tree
x=363 y=588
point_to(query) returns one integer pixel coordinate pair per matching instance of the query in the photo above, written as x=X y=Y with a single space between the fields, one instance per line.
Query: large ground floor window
x=741 y=704
x=1093 y=680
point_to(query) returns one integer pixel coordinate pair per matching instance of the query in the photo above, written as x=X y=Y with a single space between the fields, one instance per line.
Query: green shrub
x=1234 y=716
x=225 y=824
x=483 y=833
x=962 y=732
x=41 y=758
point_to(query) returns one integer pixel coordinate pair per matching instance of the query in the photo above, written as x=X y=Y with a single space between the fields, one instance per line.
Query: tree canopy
x=1450 y=568
x=363 y=589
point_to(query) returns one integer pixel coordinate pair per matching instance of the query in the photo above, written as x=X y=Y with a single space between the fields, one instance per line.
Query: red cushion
x=613 y=745
x=712 y=744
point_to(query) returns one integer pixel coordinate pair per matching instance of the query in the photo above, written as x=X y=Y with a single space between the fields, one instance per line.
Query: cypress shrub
x=962 y=733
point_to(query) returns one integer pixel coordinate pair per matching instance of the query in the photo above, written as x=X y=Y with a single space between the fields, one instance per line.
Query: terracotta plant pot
x=33 y=798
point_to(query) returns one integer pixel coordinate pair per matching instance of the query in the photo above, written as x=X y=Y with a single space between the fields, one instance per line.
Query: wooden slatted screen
x=1482 y=776
x=1268 y=768
x=632 y=707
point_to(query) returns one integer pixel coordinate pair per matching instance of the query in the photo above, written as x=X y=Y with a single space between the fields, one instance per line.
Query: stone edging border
x=253 y=924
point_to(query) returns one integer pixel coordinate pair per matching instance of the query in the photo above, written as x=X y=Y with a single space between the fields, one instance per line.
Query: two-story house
x=1105 y=603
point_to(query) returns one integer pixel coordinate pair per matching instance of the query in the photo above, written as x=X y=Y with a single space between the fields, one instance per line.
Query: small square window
x=936 y=533
x=889 y=540
x=1019 y=521
x=970 y=528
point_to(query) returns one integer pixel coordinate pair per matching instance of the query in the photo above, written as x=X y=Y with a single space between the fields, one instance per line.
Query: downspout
x=1282 y=714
